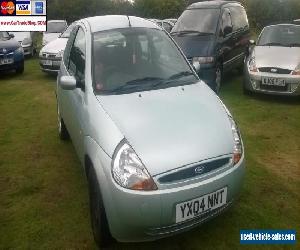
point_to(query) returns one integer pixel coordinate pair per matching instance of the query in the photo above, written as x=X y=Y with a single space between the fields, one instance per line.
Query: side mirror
x=196 y=66
x=251 y=42
x=68 y=82
x=11 y=36
x=227 y=30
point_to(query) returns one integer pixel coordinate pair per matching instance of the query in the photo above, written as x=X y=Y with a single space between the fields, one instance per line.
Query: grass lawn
x=43 y=190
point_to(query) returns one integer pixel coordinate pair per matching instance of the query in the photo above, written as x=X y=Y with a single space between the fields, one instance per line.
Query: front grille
x=46 y=55
x=275 y=70
x=189 y=223
x=7 y=56
x=274 y=88
x=196 y=170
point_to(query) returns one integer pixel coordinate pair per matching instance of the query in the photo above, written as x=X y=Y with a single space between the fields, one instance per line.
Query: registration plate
x=193 y=208
x=47 y=62
x=6 y=61
x=273 y=81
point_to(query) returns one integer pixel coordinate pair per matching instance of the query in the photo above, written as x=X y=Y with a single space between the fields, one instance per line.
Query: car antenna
x=129 y=21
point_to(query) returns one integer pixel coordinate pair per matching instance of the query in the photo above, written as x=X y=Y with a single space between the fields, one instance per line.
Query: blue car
x=11 y=54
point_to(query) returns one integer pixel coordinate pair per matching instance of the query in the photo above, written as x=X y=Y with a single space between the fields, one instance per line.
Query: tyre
x=247 y=91
x=99 y=222
x=62 y=130
x=218 y=78
x=20 y=70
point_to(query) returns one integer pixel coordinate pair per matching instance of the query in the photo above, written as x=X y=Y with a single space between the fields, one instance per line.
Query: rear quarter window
x=239 y=18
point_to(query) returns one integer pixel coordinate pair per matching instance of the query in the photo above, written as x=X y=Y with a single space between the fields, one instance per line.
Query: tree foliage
x=260 y=12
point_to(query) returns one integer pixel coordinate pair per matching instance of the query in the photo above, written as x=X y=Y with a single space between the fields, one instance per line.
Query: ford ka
x=161 y=152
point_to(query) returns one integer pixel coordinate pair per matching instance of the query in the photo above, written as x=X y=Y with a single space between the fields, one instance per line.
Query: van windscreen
x=199 y=20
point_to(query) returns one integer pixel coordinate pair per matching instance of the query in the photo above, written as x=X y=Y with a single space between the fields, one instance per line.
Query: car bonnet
x=169 y=128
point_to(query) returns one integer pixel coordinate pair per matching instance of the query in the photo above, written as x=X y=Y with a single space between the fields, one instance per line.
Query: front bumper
x=253 y=82
x=18 y=61
x=52 y=65
x=135 y=216
x=28 y=50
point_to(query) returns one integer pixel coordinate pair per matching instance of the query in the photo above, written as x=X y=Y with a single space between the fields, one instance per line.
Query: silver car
x=54 y=29
x=273 y=66
x=161 y=152
x=26 y=41
x=51 y=54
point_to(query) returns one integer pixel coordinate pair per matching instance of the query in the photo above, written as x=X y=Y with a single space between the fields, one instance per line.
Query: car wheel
x=62 y=130
x=99 y=222
x=247 y=91
x=219 y=77
x=20 y=70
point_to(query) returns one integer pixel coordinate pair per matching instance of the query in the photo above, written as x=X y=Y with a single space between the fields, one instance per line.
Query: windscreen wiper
x=273 y=44
x=174 y=77
x=199 y=33
x=294 y=45
x=137 y=83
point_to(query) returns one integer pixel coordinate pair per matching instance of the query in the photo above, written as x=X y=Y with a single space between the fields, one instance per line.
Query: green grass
x=43 y=190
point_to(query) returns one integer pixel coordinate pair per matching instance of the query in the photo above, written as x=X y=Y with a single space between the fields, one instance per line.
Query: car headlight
x=26 y=41
x=252 y=65
x=238 y=145
x=128 y=170
x=60 y=54
x=19 y=50
x=203 y=60
x=296 y=71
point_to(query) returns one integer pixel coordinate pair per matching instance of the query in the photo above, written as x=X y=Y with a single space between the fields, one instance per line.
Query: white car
x=26 y=40
x=51 y=54
x=54 y=29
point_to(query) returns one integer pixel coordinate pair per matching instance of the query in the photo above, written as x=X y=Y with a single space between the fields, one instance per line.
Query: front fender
x=102 y=165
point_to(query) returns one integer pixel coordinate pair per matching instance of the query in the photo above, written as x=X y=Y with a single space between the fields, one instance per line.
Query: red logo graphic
x=7 y=8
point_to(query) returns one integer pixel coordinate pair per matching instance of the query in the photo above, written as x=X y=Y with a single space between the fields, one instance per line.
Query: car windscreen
x=136 y=59
x=4 y=35
x=56 y=27
x=19 y=36
x=68 y=31
x=280 y=35
x=199 y=20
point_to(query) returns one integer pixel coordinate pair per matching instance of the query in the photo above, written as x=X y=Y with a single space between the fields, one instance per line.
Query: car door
x=76 y=98
x=226 y=42
x=240 y=33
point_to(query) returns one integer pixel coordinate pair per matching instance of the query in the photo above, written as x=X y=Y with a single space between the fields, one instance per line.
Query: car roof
x=101 y=23
x=56 y=21
x=282 y=24
x=213 y=4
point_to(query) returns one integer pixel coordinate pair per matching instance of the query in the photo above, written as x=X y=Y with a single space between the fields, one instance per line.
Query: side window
x=239 y=18
x=167 y=26
x=226 y=19
x=69 y=46
x=77 y=56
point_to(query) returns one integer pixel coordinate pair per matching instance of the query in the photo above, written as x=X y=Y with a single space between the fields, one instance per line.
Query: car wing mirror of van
x=227 y=30
x=251 y=42
x=196 y=66
x=11 y=36
x=68 y=82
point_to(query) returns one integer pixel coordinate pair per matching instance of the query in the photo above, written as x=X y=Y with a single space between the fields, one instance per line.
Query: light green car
x=161 y=152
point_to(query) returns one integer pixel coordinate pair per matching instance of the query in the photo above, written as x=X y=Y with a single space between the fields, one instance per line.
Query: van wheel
x=246 y=91
x=219 y=77
x=62 y=130
x=99 y=222
x=20 y=70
